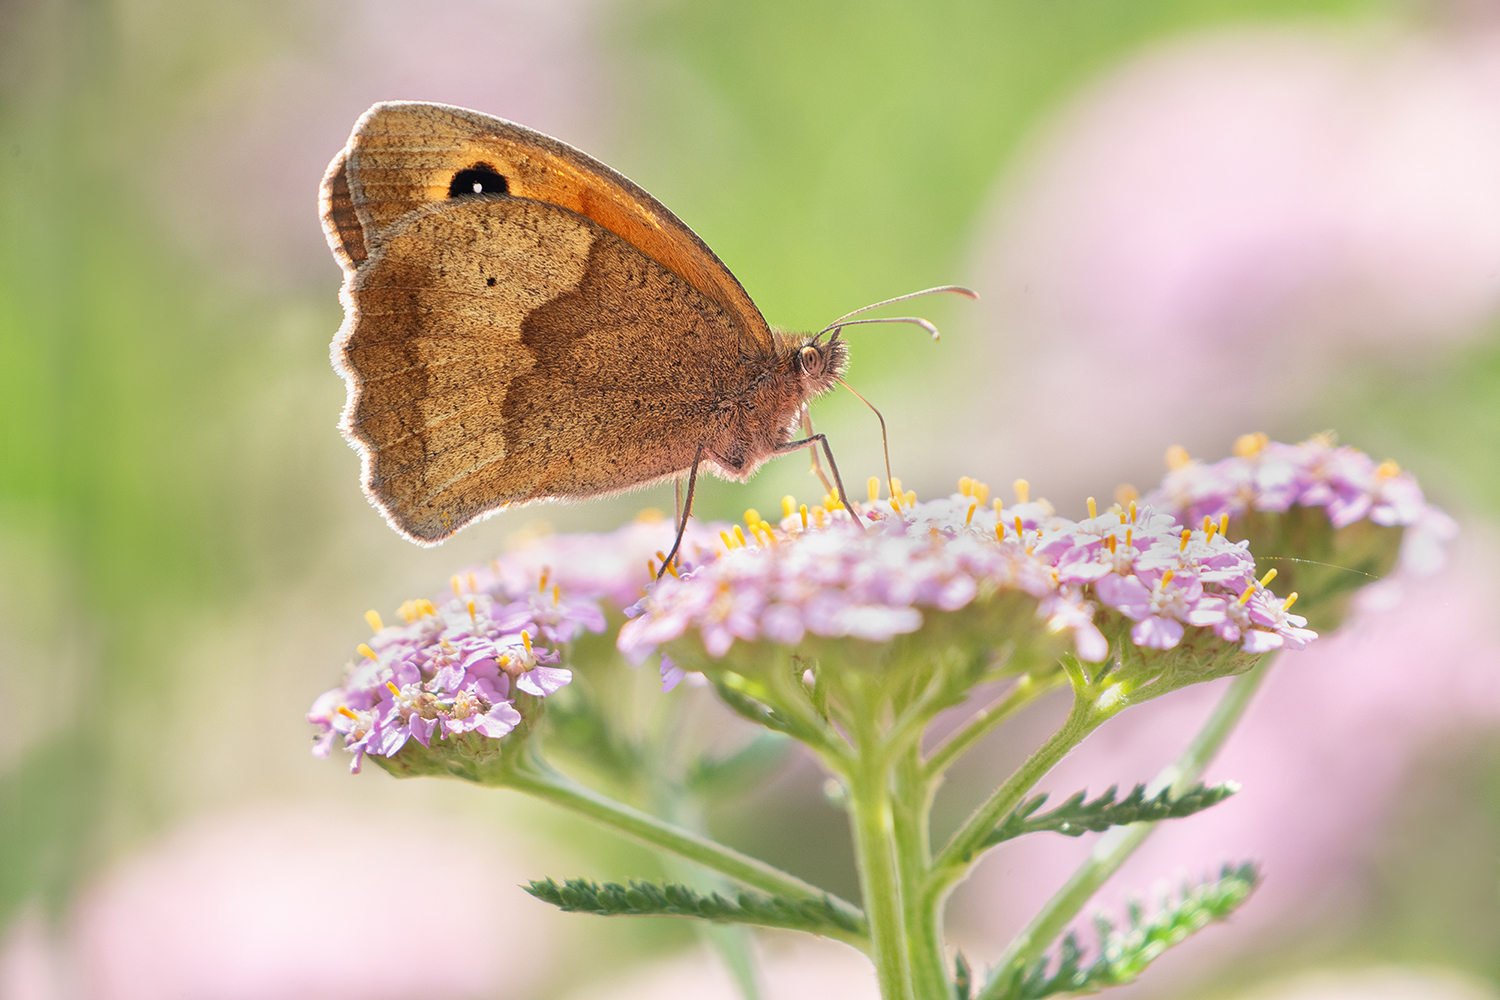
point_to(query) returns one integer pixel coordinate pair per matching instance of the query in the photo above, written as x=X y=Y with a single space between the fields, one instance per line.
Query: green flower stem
x=964 y=846
x=873 y=820
x=540 y=780
x=1119 y=843
x=924 y=924
x=1026 y=690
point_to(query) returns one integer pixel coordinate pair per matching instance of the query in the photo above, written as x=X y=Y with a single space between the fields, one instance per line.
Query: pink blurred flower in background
x=1260 y=205
x=298 y=902
x=791 y=969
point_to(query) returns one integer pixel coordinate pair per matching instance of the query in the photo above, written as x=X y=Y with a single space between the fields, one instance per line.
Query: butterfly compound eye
x=481 y=178
x=812 y=360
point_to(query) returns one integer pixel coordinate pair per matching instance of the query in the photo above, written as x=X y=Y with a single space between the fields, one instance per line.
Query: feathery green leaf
x=1076 y=816
x=1123 y=955
x=670 y=899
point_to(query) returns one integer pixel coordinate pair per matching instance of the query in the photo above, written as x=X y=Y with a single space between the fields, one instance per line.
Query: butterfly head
x=819 y=362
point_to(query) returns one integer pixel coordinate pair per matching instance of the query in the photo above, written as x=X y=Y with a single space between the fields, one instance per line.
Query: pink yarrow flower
x=1268 y=476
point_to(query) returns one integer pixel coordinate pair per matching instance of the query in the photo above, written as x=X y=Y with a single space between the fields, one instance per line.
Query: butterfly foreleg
x=812 y=441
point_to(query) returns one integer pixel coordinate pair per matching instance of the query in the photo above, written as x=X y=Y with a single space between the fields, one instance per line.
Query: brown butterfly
x=522 y=323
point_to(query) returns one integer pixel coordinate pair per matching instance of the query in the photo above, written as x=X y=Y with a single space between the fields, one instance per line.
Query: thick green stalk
x=538 y=779
x=873 y=822
x=924 y=923
x=1119 y=843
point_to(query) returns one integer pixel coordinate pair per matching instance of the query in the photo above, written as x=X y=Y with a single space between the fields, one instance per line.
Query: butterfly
x=522 y=323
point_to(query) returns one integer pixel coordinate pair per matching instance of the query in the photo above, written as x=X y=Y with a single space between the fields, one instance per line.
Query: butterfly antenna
x=884 y=443
x=845 y=320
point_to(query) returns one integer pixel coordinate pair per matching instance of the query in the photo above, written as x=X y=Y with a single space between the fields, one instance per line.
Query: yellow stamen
x=1290 y=600
x=1271 y=575
x=1020 y=529
x=363 y=649
x=1093 y=509
x=788 y=505
x=911 y=498
x=672 y=568
x=424 y=607
x=526 y=640
x=752 y=518
x=982 y=493
x=650 y=567
x=458 y=587
x=1209 y=528
x=1224 y=525
x=999 y=531
x=1177 y=457
x=872 y=488
x=972 y=508
x=556 y=594
x=407 y=611
x=373 y=617
x=542 y=583
x=1128 y=533
x=473 y=584
x=1112 y=543
x=1166 y=578
x=344 y=711
x=1186 y=534
x=1023 y=490
x=895 y=485
x=896 y=502
x=965 y=486
x=802 y=512
x=1245 y=597
x=739 y=535
x=765 y=527
x=1387 y=469
x=1132 y=512
x=650 y=515
x=818 y=514
x=472 y=617
x=393 y=689
x=1250 y=445
x=728 y=542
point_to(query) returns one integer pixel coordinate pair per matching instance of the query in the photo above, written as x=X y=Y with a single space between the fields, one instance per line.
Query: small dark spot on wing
x=481 y=178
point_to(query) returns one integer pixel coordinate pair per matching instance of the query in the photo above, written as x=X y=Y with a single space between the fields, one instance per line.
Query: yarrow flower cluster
x=1271 y=477
x=838 y=579
x=455 y=665
x=1160 y=572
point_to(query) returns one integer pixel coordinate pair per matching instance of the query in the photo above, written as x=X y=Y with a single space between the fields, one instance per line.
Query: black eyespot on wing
x=490 y=282
x=481 y=178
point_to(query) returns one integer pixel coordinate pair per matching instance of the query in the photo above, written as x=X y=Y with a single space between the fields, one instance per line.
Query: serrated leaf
x=671 y=899
x=1076 y=816
x=1124 y=955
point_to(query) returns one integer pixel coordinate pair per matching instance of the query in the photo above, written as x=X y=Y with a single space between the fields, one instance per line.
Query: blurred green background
x=184 y=552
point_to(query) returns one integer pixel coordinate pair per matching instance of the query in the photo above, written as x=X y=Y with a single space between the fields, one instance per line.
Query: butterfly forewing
x=404 y=156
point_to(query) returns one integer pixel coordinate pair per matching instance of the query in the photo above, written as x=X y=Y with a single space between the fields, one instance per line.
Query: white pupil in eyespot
x=478 y=188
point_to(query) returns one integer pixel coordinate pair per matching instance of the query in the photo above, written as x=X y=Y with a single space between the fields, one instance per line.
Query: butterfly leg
x=812 y=441
x=685 y=508
x=817 y=466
